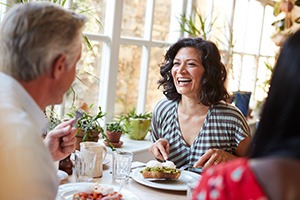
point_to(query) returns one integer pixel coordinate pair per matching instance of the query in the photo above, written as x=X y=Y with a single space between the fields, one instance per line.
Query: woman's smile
x=187 y=71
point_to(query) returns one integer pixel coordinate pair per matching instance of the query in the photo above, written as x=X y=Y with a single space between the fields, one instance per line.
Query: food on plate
x=96 y=192
x=166 y=170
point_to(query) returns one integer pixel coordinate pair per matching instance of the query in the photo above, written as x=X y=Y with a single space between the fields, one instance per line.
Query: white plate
x=66 y=191
x=62 y=176
x=178 y=185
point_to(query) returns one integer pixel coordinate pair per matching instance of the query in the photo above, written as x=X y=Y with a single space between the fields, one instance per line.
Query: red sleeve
x=231 y=180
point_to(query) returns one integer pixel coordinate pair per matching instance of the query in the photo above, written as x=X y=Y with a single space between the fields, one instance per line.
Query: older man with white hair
x=40 y=44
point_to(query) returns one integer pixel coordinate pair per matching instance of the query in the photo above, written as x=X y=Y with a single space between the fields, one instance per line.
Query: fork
x=78 y=114
x=191 y=168
x=184 y=167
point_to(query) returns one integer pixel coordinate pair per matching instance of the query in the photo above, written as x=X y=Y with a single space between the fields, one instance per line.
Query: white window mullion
x=149 y=19
x=243 y=48
x=110 y=56
x=178 y=8
x=141 y=104
x=259 y=51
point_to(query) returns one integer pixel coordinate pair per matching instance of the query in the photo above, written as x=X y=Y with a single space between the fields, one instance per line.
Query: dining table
x=141 y=191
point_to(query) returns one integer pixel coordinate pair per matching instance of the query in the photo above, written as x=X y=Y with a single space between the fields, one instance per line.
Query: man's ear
x=59 y=66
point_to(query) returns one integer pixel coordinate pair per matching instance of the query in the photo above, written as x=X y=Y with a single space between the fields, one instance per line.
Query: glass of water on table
x=121 y=166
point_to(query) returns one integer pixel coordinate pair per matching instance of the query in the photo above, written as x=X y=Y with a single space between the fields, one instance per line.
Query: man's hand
x=61 y=140
x=160 y=149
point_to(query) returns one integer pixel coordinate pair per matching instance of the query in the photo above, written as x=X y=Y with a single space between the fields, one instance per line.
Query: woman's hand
x=213 y=157
x=160 y=149
x=61 y=140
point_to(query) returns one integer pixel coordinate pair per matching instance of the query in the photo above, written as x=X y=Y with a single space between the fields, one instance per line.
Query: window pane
x=153 y=93
x=86 y=83
x=161 y=19
x=248 y=75
x=240 y=24
x=128 y=78
x=234 y=73
x=254 y=25
x=133 y=19
x=268 y=47
x=221 y=24
x=263 y=78
x=94 y=10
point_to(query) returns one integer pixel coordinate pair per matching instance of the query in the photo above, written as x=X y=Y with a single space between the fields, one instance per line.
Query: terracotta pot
x=79 y=138
x=113 y=137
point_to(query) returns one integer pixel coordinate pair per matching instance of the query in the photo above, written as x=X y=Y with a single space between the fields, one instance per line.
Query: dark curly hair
x=213 y=89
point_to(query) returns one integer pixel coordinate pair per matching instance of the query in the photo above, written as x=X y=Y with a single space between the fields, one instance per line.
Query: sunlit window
x=129 y=39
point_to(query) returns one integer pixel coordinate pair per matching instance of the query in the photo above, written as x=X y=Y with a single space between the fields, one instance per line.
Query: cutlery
x=187 y=166
x=160 y=179
x=138 y=166
x=78 y=114
x=184 y=167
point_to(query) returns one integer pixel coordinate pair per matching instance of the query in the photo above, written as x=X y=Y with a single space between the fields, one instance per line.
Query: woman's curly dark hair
x=213 y=80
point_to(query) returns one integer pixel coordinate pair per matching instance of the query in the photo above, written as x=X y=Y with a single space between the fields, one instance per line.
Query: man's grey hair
x=33 y=35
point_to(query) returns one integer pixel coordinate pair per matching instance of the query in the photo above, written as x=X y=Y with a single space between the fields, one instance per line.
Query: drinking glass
x=191 y=185
x=121 y=166
x=84 y=165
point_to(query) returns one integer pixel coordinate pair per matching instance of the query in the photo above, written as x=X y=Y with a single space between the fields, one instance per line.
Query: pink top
x=232 y=180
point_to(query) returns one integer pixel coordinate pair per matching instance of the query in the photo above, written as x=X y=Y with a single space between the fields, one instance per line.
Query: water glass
x=84 y=165
x=121 y=165
x=191 y=185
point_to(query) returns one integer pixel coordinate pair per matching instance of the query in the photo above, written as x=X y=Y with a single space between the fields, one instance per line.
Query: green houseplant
x=136 y=126
x=197 y=24
x=114 y=131
x=88 y=126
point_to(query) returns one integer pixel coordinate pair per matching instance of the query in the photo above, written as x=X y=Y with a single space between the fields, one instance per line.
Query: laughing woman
x=194 y=126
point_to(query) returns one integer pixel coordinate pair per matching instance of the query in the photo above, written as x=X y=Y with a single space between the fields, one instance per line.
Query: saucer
x=115 y=144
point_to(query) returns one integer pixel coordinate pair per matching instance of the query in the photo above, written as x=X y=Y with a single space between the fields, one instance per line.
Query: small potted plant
x=88 y=126
x=114 y=131
x=136 y=126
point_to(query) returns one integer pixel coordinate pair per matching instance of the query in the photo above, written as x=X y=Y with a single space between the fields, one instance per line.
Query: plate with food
x=164 y=176
x=82 y=190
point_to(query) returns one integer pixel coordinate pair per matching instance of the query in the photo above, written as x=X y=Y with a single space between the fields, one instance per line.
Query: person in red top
x=272 y=169
x=230 y=181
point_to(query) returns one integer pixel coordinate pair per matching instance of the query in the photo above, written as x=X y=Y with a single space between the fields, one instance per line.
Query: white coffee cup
x=101 y=152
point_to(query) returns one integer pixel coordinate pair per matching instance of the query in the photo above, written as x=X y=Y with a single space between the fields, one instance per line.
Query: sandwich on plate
x=160 y=170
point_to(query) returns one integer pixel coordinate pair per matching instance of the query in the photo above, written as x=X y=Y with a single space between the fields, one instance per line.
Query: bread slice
x=156 y=174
